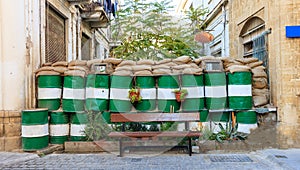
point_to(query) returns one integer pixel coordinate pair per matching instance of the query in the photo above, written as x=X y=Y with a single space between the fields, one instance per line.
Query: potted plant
x=180 y=94
x=134 y=95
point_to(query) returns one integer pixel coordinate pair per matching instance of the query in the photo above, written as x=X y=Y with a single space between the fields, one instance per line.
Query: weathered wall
x=284 y=58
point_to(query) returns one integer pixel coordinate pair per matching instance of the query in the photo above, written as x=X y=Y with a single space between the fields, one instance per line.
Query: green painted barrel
x=49 y=91
x=106 y=117
x=97 y=92
x=119 y=87
x=35 y=134
x=204 y=116
x=73 y=94
x=246 y=120
x=78 y=123
x=215 y=90
x=147 y=92
x=219 y=116
x=59 y=127
x=240 y=90
x=194 y=101
x=166 y=98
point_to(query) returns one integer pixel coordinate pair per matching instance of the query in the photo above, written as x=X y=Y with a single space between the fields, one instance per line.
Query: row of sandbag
x=260 y=89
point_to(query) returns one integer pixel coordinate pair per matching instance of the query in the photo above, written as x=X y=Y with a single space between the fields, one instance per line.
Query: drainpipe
x=224 y=29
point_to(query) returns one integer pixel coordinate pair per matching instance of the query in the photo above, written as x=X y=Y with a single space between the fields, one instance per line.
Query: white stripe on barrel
x=76 y=94
x=194 y=92
x=119 y=94
x=96 y=93
x=59 y=130
x=239 y=90
x=77 y=130
x=215 y=91
x=35 y=130
x=166 y=94
x=148 y=93
x=49 y=93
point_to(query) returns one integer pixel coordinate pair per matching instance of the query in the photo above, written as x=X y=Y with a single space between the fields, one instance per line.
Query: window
x=85 y=47
x=55 y=45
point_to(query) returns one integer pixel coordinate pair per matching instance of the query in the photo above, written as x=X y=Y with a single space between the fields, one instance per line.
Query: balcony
x=95 y=15
x=77 y=2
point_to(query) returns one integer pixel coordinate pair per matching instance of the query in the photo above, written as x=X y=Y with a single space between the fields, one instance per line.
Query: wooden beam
x=155 y=134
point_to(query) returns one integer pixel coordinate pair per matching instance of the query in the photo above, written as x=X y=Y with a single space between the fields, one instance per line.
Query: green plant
x=96 y=128
x=180 y=94
x=134 y=95
x=229 y=133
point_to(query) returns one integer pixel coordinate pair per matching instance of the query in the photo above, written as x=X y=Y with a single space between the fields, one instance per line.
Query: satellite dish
x=204 y=37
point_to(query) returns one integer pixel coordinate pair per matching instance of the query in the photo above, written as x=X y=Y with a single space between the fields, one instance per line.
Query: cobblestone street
x=255 y=160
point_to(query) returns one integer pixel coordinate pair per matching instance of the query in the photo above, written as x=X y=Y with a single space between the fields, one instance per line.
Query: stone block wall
x=10 y=130
x=284 y=58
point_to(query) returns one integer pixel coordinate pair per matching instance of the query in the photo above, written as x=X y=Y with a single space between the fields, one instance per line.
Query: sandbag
x=46 y=68
x=192 y=70
x=238 y=68
x=247 y=60
x=47 y=73
x=175 y=71
x=255 y=64
x=143 y=73
x=47 y=64
x=259 y=83
x=260 y=100
x=60 y=69
x=163 y=61
x=60 y=63
x=183 y=59
x=260 y=92
x=81 y=68
x=114 y=61
x=126 y=68
x=162 y=66
x=161 y=71
x=141 y=68
x=193 y=65
x=94 y=61
x=181 y=67
x=127 y=63
x=145 y=62
x=75 y=73
x=77 y=63
x=197 y=61
x=259 y=73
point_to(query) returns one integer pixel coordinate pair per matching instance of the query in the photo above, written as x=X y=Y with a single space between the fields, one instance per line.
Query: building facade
x=258 y=28
x=215 y=22
x=36 y=32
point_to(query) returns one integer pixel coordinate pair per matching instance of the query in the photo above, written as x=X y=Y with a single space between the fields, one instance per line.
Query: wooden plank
x=155 y=117
x=155 y=134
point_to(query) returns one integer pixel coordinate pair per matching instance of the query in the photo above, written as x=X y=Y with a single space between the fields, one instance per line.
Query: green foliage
x=135 y=127
x=96 y=128
x=229 y=133
x=147 y=31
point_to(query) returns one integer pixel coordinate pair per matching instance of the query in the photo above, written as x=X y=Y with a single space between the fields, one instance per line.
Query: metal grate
x=55 y=36
x=230 y=158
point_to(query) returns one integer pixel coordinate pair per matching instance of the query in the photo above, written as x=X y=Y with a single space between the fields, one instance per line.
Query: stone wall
x=10 y=130
x=284 y=58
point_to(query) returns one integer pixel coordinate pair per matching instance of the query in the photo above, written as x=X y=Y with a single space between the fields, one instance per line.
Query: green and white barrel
x=73 y=94
x=218 y=117
x=147 y=92
x=246 y=120
x=59 y=127
x=119 y=87
x=78 y=124
x=49 y=91
x=35 y=134
x=97 y=92
x=240 y=90
x=166 y=98
x=204 y=116
x=194 y=101
x=215 y=90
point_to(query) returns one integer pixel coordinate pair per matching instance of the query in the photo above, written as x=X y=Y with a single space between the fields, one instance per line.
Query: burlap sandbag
x=193 y=65
x=255 y=64
x=163 y=61
x=259 y=83
x=127 y=63
x=47 y=64
x=89 y=63
x=122 y=73
x=247 y=60
x=46 y=68
x=207 y=58
x=60 y=69
x=170 y=64
x=191 y=70
x=81 y=68
x=197 y=61
x=181 y=67
x=47 y=73
x=114 y=61
x=260 y=100
x=143 y=73
x=162 y=66
x=75 y=73
x=175 y=71
x=233 y=63
x=260 y=92
x=141 y=68
x=145 y=62
x=60 y=63
x=125 y=68
x=238 y=68
x=77 y=63
x=183 y=59
x=162 y=71
x=259 y=73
